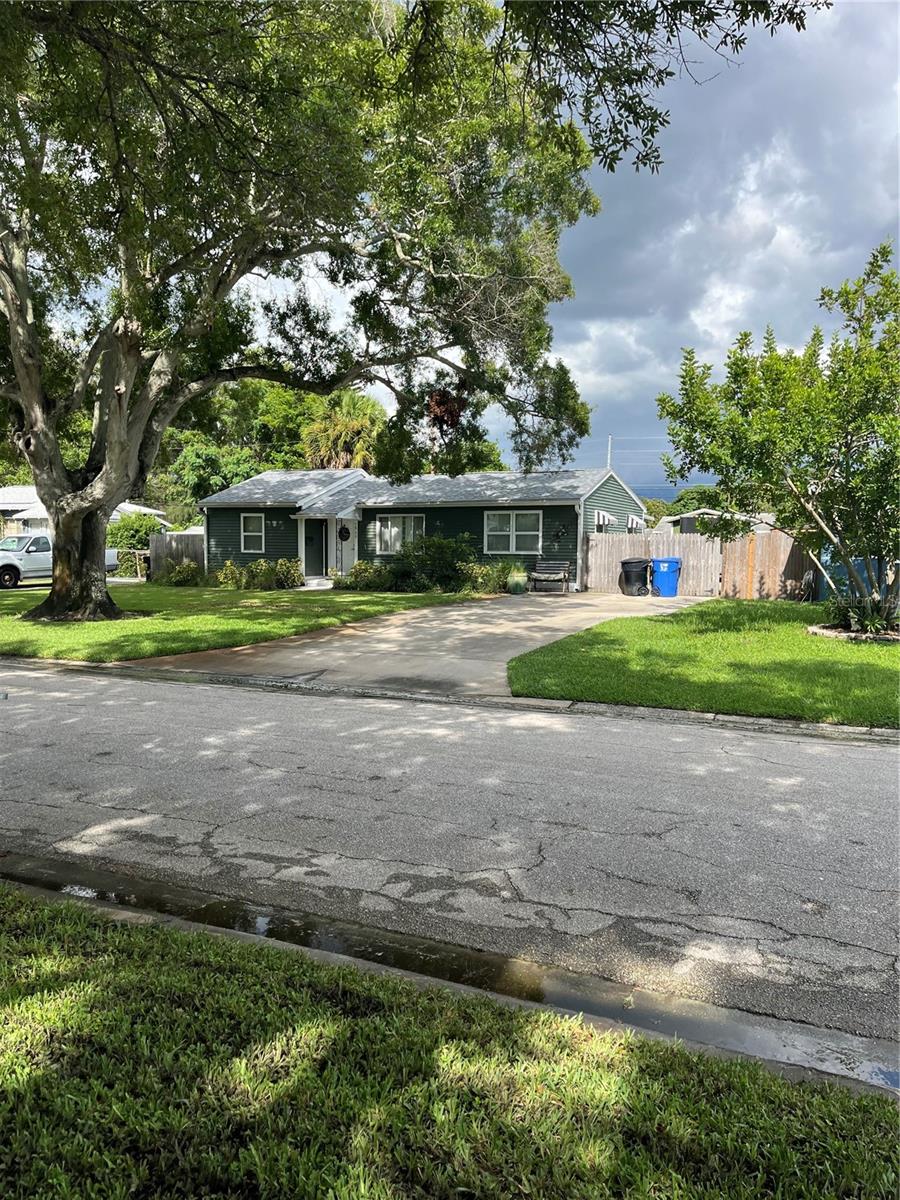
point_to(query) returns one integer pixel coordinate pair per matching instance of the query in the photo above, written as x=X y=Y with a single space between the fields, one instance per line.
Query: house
x=22 y=512
x=686 y=522
x=329 y=519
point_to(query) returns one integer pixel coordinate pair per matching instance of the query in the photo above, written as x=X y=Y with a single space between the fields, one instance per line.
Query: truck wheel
x=9 y=577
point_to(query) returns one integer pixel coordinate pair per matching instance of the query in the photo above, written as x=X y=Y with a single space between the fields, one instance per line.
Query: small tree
x=132 y=532
x=656 y=509
x=813 y=437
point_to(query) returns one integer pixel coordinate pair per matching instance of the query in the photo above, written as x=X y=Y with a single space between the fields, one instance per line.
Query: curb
x=305 y=685
x=125 y=915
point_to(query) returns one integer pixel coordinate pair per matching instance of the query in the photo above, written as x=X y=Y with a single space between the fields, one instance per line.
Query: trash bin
x=634 y=576
x=665 y=576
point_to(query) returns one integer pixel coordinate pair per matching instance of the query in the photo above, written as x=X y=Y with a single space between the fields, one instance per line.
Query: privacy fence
x=761 y=566
x=177 y=548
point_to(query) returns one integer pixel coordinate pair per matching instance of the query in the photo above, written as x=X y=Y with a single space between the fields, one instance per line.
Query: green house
x=329 y=519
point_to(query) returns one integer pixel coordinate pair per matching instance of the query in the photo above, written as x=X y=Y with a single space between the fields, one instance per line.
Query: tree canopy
x=812 y=436
x=158 y=159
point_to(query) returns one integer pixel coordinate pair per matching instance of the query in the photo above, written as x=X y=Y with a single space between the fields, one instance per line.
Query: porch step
x=317 y=583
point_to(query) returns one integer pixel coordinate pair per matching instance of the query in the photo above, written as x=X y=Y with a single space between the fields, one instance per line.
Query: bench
x=549 y=576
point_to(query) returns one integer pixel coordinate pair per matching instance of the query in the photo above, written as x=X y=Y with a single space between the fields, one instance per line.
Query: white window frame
x=261 y=534
x=381 y=518
x=512 y=513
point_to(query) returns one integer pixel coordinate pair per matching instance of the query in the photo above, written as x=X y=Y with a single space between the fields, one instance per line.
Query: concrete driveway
x=460 y=650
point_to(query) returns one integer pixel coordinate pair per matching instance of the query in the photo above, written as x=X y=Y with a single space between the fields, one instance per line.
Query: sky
x=780 y=175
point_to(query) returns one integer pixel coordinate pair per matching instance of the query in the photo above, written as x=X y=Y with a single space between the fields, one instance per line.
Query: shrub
x=433 y=562
x=367 y=577
x=486 y=577
x=260 y=576
x=183 y=574
x=131 y=532
x=231 y=576
x=289 y=573
x=866 y=614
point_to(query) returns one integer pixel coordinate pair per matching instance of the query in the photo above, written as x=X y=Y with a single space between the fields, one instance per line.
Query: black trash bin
x=634 y=576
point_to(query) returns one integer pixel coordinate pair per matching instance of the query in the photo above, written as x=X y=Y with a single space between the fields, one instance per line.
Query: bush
x=367 y=577
x=486 y=577
x=260 y=576
x=231 y=576
x=869 y=614
x=289 y=573
x=183 y=574
x=131 y=532
x=433 y=562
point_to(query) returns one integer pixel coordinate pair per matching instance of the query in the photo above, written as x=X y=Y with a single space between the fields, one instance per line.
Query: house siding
x=610 y=497
x=223 y=535
x=451 y=521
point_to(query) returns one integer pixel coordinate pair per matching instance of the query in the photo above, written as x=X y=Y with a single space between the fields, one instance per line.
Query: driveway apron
x=461 y=650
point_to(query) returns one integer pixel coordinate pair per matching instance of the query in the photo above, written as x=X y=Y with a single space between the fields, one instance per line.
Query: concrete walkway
x=461 y=650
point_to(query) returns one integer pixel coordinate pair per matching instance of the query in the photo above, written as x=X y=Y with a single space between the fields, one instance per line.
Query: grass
x=136 y=1060
x=726 y=656
x=178 y=620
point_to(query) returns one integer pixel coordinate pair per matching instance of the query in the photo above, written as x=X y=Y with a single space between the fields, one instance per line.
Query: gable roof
x=339 y=492
x=284 y=489
x=487 y=487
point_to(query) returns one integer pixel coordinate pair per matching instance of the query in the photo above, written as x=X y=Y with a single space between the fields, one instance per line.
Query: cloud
x=780 y=176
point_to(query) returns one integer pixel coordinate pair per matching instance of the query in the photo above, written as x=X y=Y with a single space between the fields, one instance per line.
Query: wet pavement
x=798 y=1047
x=750 y=871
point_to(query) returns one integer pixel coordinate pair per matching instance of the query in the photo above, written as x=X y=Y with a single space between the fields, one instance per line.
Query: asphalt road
x=753 y=870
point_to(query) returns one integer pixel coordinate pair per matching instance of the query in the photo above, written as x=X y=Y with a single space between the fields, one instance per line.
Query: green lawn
x=175 y=620
x=140 y=1061
x=726 y=656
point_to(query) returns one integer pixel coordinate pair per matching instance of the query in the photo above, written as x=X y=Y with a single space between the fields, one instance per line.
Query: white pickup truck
x=30 y=556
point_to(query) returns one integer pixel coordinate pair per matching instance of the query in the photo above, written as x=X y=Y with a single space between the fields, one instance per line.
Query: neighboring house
x=329 y=519
x=686 y=522
x=22 y=512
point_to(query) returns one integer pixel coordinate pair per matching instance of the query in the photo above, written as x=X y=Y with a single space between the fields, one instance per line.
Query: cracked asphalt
x=754 y=870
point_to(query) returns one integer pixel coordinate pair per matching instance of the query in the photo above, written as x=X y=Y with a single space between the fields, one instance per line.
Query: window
x=396 y=528
x=512 y=532
x=253 y=534
x=40 y=545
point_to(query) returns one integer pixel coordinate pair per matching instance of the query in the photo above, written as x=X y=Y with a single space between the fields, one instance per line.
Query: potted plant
x=517 y=580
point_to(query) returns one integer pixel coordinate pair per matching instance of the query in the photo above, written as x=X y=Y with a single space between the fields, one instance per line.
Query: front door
x=314 y=548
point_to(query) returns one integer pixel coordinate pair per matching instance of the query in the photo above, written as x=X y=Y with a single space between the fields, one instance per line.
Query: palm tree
x=344 y=434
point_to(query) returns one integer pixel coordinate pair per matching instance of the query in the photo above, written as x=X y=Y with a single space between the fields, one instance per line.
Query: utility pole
x=609 y=452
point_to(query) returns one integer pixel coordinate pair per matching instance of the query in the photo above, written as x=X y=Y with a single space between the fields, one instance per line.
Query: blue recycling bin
x=665 y=576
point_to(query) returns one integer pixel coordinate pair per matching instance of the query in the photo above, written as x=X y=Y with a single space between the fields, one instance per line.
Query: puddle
x=872 y=1061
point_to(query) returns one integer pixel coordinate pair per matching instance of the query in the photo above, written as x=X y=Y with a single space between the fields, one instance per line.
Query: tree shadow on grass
x=193 y=619
x=177 y=1065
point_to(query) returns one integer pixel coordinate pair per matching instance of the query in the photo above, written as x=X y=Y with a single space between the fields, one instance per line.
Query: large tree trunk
x=79 y=591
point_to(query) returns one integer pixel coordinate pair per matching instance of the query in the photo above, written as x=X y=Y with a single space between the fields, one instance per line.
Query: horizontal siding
x=610 y=497
x=450 y=522
x=223 y=531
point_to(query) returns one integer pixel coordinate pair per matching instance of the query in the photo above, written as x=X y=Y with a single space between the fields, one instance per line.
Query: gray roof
x=283 y=488
x=15 y=496
x=338 y=493
x=487 y=487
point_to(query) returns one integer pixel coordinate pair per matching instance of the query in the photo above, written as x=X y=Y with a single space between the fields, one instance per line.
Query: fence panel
x=178 y=547
x=701 y=559
x=761 y=566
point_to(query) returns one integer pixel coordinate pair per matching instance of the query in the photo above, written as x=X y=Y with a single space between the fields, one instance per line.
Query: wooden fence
x=765 y=566
x=177 y=547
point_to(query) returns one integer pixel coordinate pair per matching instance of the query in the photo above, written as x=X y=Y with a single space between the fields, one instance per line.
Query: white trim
x=513 y=513
x=383 y=516
x=262 y=534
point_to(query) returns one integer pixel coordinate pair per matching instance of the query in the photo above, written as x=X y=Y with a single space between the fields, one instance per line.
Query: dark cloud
x=780 y=176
